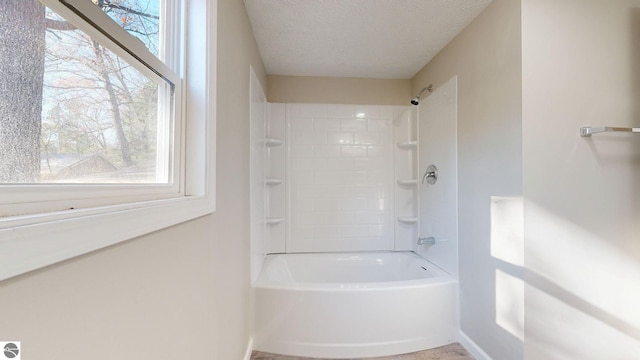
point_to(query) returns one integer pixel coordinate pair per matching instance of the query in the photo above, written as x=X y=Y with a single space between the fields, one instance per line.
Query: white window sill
x=26 y=245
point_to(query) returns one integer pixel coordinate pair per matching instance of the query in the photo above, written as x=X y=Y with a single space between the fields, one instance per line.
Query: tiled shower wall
x=340 y=177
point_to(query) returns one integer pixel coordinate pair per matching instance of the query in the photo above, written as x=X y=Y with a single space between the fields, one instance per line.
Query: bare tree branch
x=131 y=11
x=59 y=25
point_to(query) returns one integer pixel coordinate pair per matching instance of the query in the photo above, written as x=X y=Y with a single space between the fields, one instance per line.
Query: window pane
x=71 y=110
x=141 y=18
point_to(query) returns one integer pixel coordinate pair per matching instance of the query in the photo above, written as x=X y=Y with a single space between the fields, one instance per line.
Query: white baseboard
x=472 y=347
x=247 y=354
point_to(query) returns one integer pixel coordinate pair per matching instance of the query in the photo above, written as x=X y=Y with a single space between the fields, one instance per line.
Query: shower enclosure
x=346 y=179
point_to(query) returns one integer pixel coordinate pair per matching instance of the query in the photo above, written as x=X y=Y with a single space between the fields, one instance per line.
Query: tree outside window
x=71 y=110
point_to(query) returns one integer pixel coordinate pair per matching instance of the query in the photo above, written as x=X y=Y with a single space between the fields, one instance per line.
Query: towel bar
x=587 y=131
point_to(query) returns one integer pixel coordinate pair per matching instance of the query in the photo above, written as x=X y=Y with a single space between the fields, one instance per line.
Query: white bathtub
x=353 y=305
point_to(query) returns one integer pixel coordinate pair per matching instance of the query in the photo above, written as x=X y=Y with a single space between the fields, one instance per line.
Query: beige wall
x=582 y=204
x=150 y=298
x=486 y=58
x=334 y=90
x=182 y=292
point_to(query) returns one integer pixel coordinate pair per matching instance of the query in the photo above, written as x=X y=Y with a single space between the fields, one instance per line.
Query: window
x=93 y=125
x=102 y=104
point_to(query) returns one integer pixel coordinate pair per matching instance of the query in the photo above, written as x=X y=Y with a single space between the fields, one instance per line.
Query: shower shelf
x=270 y=142
x=274 y=220
x=273 y=181
x=407 y=220
x=408 y=144
x=409 y=182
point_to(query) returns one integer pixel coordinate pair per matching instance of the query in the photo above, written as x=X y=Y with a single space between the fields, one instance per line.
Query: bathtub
x=352 y=305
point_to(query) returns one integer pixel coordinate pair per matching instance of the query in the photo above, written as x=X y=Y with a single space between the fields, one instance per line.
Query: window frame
x=20 y=199
x=35 y=240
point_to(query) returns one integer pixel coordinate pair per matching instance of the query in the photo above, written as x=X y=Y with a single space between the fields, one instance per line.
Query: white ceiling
x=384 y=39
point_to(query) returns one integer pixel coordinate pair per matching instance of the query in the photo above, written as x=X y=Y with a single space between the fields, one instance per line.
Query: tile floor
x=453 y=351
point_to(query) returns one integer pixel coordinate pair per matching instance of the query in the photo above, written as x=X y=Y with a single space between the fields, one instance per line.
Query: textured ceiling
x=386 y=39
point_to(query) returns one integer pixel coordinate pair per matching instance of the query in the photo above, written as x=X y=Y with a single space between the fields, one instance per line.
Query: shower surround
x=337 y=176
x=343 y=179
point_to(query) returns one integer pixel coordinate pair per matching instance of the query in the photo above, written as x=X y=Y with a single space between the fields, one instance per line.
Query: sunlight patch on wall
x=507 y=229
x=510 y=304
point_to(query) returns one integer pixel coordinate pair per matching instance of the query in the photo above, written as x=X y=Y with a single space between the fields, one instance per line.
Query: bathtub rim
x=440 y=276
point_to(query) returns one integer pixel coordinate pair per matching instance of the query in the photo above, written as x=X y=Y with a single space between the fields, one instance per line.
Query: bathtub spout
x=427 y=241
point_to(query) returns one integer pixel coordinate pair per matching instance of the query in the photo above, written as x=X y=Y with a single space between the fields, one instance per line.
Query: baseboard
x=472 y=347
x=247 y=354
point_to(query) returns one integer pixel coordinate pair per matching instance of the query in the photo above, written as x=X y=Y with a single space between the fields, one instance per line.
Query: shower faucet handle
x=431 y=175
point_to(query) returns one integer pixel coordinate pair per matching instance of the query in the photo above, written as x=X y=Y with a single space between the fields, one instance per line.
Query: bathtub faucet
x=428 y=241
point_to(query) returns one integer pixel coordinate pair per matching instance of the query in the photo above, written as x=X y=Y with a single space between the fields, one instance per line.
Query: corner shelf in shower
x=274 y=220
x=271 y=142
x=273 y=181
x=407 y=219
x=408 y=145
x=407 y=182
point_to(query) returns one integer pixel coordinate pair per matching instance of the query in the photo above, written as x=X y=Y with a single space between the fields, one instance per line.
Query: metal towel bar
x=587 y=131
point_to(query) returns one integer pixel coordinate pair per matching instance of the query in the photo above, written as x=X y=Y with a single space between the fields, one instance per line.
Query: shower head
x=416 y=99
